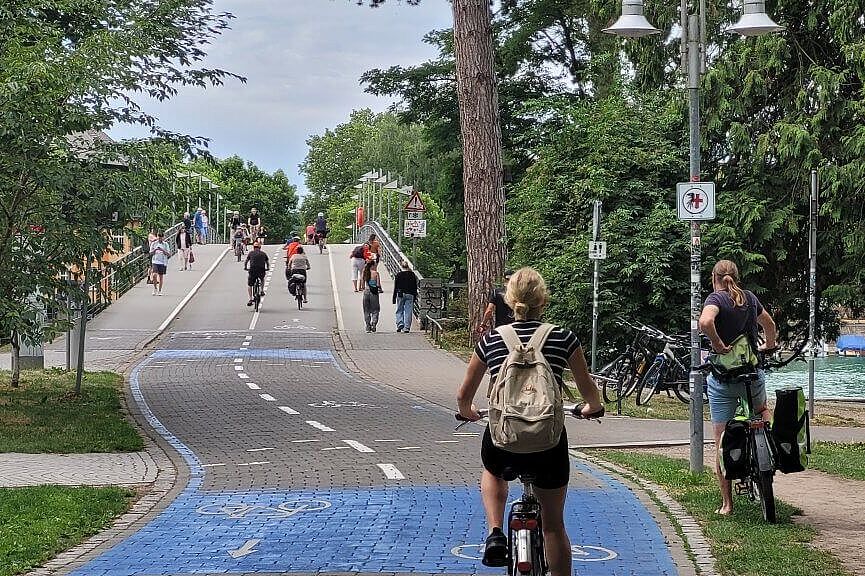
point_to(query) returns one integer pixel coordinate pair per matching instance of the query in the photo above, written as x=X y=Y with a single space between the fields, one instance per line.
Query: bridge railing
x=434 y=294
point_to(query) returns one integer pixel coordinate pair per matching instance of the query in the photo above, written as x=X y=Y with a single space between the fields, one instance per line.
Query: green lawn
x=743 y=543
x=43 y=415
x=846 y=460
x=37 y=523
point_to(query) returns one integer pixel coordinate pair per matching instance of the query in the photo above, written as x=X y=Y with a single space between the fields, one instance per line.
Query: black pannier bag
x=791 y=430
x=734 y=450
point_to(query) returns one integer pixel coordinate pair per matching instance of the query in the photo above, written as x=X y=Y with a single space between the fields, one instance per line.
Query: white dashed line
x=336 y=448
x=267 y=397
x=253 y=386
x=246 y=343
x=288 y=410
x=320 y=426
x=358 y=446
x=409 y=448
x=259 y=449
x=238 y=360
x=211 y=465
x=467 y=434
x=255 y=463
x=239 y=368
x=304 y=441
x=447 y=441
x=387 y=440
x=391 y=472
x=243 y=376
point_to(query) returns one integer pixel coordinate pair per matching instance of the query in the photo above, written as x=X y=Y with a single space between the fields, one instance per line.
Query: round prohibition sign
x=578 y=553
x=695 y=201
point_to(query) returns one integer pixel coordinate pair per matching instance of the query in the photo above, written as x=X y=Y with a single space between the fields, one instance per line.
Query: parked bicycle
x=621 y=377
x=669 y=372
x=525 y=533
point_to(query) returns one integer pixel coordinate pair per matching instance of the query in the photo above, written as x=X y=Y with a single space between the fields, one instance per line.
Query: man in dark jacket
x=404 y=295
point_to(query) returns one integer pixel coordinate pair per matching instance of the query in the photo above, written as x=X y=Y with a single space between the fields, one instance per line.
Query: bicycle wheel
x=238 y=252
x=616 y=371
x=682 y=390
x=762 y=484
x=256 y=294
x=650 y=382
x=636 y=375
x=299 y=298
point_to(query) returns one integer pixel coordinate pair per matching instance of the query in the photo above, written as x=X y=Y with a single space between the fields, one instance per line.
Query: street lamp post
x=632 y=24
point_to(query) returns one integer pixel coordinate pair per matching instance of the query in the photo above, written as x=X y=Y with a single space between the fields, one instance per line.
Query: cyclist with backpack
x=729 y=319
x=526 y=361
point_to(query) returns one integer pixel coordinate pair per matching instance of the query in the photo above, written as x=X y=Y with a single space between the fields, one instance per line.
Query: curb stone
x=695 y=541
x=171 y=477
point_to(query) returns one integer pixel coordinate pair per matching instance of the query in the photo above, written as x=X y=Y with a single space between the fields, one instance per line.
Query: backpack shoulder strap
x=509 y=336
x=540 y=336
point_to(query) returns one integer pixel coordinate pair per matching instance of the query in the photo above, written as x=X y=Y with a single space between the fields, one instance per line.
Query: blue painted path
x=428 y=529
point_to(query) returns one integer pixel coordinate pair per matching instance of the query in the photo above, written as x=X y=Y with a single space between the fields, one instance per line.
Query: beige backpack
x=526 y=412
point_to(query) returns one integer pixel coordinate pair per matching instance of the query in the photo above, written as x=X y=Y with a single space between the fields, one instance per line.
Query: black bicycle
x=257 y=291
x=621 y=377
x=669 y=372
x=526 y=556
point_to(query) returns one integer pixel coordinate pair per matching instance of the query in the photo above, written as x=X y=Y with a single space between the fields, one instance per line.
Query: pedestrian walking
x=371 y=289
x=196 y=221
x=357 y=263
x=374 y=247
x=187 y=222
x=497 y=312
x=183 y=241
x=404 y=295
x=205 y=226
x=160 y=252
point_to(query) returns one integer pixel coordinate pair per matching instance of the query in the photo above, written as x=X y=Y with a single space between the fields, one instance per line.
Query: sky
x=302 y=60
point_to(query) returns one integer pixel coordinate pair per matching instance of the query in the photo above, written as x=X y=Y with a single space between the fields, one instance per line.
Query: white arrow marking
x=244 y=550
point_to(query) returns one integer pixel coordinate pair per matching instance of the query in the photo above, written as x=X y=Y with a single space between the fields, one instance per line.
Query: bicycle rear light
x=524 y=524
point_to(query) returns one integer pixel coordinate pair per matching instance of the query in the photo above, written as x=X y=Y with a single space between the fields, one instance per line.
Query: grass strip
x=43 y=416
x=37 y=523
x=743 y=544
x=845 y=460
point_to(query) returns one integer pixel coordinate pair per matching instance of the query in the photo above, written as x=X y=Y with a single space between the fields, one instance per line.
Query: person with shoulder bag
x=527 y=359
x=729 y=319
x=371 y=289
x=358 y=261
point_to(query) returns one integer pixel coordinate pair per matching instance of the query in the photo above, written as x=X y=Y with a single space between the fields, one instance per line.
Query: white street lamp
x=632 y=24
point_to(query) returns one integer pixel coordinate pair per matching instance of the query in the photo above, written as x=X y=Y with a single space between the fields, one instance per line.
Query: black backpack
x=358 y=251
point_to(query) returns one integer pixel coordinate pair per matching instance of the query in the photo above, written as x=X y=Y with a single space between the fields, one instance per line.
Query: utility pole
x=596 y=233
x=812 y=288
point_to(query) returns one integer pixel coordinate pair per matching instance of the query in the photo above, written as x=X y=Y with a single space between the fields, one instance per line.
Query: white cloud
x=302 y=60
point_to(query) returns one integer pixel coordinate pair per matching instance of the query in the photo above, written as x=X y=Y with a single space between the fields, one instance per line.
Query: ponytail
x=728 y=274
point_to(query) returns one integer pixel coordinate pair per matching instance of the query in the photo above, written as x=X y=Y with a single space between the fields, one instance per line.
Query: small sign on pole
x=414 y=229
x=695 y=200
x=415 y=204
x=597 y=250
x=414 y=215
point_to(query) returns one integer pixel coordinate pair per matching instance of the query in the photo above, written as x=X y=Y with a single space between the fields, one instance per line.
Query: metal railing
x=434 y=294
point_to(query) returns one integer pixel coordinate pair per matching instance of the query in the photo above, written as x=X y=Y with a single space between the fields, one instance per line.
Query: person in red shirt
x=310 y=234
x=291 y=247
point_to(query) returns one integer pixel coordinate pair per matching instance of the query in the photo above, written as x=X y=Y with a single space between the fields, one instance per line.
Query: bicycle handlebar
x=574 y=410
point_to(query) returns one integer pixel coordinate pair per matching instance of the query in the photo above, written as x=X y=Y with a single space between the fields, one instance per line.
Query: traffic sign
x=597 y=250
x=415 y=204
x=695 y=200
x=414 y=229
x=414 y=215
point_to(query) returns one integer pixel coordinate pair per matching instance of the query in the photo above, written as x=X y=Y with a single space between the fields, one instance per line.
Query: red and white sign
x=415 y=204
x=695 y=200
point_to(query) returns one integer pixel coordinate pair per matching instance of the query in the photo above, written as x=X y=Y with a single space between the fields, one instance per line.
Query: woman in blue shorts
x=729 y=312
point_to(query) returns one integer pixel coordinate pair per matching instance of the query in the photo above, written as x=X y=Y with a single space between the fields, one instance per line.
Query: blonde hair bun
x=527 y=294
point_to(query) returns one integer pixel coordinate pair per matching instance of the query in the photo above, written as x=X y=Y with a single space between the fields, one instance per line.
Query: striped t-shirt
x=560 y=345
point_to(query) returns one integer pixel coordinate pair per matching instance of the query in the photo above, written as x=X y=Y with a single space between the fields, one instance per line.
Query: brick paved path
x=297 y=465
x=76 y=469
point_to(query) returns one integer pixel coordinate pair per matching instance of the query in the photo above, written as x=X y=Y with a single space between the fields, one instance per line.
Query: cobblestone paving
x=76 y=469
x=298 y=466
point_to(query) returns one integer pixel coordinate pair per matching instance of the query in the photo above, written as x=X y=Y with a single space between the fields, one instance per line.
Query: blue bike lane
x=404 y=523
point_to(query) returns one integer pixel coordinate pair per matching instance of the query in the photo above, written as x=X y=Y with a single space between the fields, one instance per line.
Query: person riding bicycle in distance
x=728 y=313
x=527 y=295
x=321 y=228
x=254 y=222
x=257 y=264
x=298 y=263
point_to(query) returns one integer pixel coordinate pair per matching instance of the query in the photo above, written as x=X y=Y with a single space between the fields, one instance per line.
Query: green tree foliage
x=66 y=68
x=628 y=154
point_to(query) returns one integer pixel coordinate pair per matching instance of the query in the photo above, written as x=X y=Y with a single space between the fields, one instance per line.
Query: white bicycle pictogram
x=283 y=510
x=294 y=327
x=578 y=553
x=332 y=404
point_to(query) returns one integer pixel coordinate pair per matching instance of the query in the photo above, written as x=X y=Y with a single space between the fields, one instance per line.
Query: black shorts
x=253 y=274
x=160 y=269
x=322 y=233
x=550 y=468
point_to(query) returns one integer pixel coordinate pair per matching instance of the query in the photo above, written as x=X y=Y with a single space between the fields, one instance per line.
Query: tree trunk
x=16 y=360
x=482 y=151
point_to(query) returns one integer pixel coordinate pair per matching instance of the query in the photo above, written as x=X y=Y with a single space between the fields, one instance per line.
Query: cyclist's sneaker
x=250 y=303
x=496 y=549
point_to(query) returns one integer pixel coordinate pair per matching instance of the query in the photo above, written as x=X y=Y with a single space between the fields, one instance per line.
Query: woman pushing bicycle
x=729 y=319
x=550 y=349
